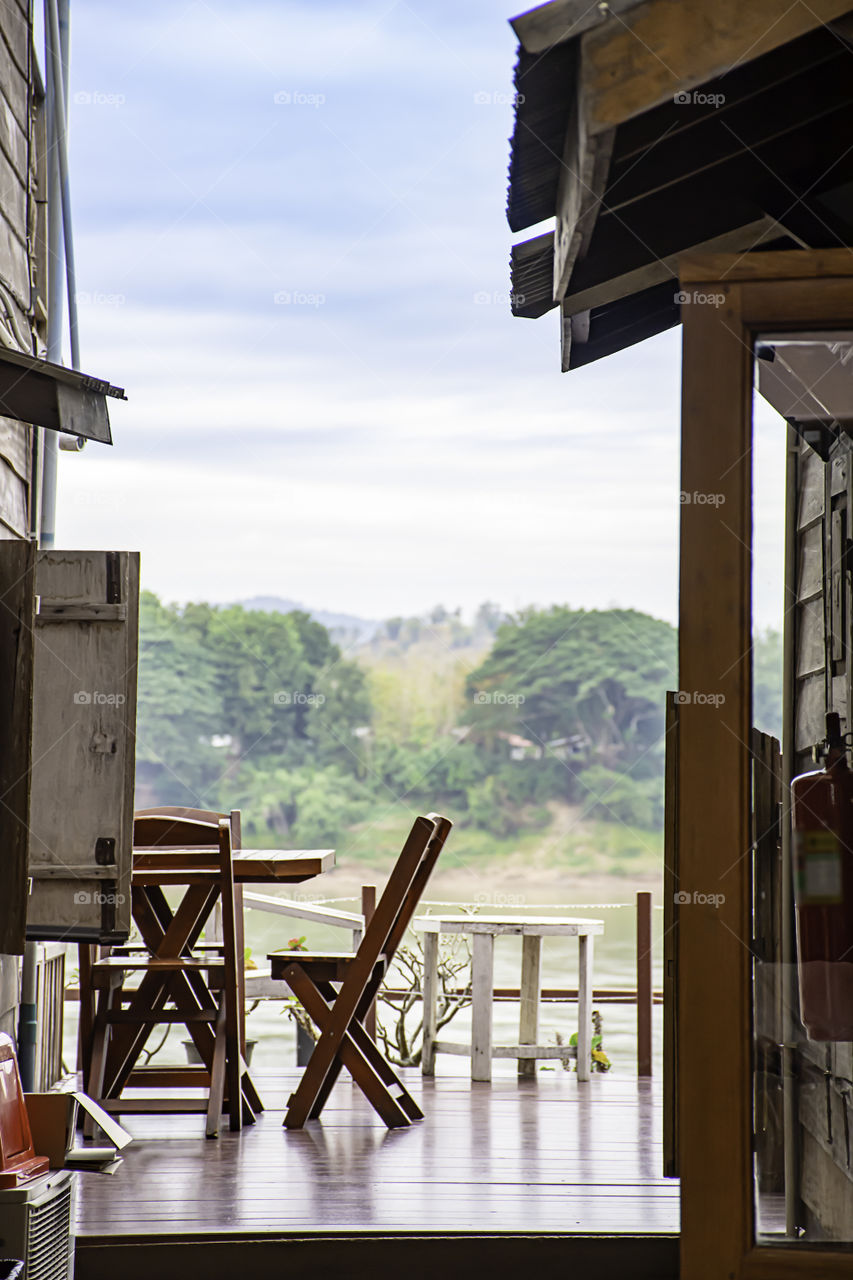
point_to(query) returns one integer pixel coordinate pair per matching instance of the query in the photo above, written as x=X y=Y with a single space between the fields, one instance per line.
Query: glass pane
x=802 y=789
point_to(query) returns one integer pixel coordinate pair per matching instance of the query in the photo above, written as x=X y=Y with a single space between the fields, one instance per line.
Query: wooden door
x=737 y=1026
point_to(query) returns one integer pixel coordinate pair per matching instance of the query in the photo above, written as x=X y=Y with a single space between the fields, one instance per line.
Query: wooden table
x=251 y=866
x=168 y=933
x=155 y=870
x=483 y=930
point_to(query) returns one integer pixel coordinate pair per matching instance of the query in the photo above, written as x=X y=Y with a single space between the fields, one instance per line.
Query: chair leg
x=302 y=1102
x=215 y=1100
x=251 y=1096
x=100 y=1045
x=366 y=1045
x=233 y=1065
x=367 y=1002
x=85 y=953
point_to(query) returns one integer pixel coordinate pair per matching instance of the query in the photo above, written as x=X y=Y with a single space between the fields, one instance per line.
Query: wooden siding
x=22 y=195
x=822 y=641
x=21 y=190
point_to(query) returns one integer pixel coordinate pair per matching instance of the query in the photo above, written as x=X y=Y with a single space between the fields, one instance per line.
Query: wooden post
x=644 y=984
x=585 y=951
x=368 y=906
x=528 y=1033
x=482 y=997
x=430 y=998
x=85 y=1027
x=239 y=929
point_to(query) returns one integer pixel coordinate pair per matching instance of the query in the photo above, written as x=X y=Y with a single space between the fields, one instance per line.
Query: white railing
x=50 y=986
x=307 y=911
x=259 y=984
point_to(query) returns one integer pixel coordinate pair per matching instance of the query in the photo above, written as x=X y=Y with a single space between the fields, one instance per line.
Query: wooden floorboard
x=550 y=1155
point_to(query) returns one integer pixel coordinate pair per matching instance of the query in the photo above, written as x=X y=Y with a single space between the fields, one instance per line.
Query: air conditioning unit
x=36 y=1225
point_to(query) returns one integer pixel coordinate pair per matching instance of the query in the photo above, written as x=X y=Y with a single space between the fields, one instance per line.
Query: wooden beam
x=762 y=230
x=714 y=963
x=368 y=909
x=664 y=47
x=541 y=28
x=644 y=983
x=583 y=179
x=670 y=942
x=364 y=1255
x=801 y=93
x=794 y=264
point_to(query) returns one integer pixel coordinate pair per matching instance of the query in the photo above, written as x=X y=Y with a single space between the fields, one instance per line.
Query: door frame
x=730 y=299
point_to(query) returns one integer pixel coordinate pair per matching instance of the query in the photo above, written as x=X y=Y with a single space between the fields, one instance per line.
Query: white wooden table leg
x=584 y=1005
x=528 y=1026
x=430 y=998
x=482 y=998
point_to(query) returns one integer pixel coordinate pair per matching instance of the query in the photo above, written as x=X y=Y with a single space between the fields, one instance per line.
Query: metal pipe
x=46 y=442
x=60 y=235
x=27 y=1018
x=59 y=71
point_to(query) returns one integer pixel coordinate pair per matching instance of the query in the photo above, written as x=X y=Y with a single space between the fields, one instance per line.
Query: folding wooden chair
x=339 y=1013
x=182 y=981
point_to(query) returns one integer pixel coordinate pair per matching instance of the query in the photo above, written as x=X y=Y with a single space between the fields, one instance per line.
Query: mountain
x=345 y=628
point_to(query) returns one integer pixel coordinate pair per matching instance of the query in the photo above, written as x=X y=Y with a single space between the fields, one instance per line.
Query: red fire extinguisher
x=822 y=814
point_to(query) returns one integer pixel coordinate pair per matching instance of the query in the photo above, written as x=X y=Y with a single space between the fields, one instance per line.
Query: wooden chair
x=339 y=1013
x=181 y=981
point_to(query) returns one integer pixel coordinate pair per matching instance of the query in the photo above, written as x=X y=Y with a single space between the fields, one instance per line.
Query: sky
x=292 y=252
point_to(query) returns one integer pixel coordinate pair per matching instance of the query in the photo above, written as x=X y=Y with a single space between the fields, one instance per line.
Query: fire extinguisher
x=822 y=815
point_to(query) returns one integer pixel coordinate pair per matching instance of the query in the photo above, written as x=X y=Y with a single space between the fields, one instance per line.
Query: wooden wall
x=23 y=292
x=822 y=675
x=22 y=240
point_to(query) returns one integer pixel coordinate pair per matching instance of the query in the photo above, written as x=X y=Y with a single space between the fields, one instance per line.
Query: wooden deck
x=551 y=1155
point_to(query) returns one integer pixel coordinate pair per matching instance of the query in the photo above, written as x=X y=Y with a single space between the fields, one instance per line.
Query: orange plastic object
x=18 y=1160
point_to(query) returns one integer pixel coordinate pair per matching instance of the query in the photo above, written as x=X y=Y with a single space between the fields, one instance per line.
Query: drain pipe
x=60 y=239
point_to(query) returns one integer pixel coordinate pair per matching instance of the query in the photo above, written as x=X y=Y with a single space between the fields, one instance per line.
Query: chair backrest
x=394 y=910
x=174 y=828
x=170 y=840
x=181 y=828
x=441 y=828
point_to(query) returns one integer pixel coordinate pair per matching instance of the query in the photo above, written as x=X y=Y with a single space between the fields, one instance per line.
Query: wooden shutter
x=17 y=571
x=68 y=654
x=84 y=720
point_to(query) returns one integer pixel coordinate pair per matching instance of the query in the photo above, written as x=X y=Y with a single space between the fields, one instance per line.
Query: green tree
x=219 y=686
x=598 y=676
x=179 y=709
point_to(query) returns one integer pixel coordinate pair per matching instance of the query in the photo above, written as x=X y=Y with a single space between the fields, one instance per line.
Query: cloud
x=307 y=303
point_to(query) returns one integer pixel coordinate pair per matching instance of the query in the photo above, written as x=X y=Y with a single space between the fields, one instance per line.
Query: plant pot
x=194 y=1057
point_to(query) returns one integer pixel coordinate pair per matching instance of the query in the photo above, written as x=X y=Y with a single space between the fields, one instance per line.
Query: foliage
x=617 y=797
x=597 y=676
x=229 y=696
x=495 y=723
x=600 y=1061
